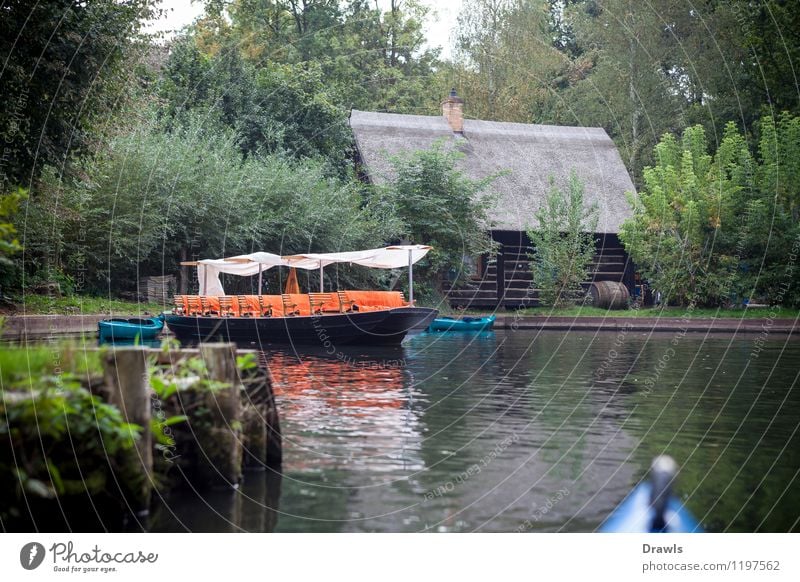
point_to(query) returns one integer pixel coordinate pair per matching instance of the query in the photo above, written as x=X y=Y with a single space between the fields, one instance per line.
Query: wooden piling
x=255 y=437
x=127 y=387
x=221 y=443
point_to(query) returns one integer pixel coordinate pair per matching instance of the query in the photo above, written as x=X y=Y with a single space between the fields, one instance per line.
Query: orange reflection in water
x=364 y=402
x=345 y=384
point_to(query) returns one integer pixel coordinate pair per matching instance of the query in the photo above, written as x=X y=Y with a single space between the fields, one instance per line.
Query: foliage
x=9 y=204
x=61 y=439
x=564 y=244
x=438 y=205
x=272 y=108
x=157 y=197
x=71 y=358
x=369 y=58
x=719 y=229
x=63 y=71
x=505 y=65
x=636 y=70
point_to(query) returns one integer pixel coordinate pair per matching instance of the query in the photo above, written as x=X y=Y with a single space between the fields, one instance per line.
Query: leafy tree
x=506 y=65
x=714 y=230
x=274 y=109
x=564 y=244
x=157 y=197
x=380 y=61
x=369 y=58
x=63 y=69
x=676 y=220
x=438 y=205
x=623 y=79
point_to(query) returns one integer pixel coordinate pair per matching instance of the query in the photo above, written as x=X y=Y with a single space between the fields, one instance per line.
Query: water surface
x=525 y=430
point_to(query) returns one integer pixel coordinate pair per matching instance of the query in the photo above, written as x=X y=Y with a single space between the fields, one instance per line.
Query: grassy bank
x=77 y=305
x=679 y=312
x=21 y=368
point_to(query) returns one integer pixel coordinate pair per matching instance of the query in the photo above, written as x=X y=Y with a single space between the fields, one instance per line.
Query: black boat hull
x=401 y=321
x=385 y=327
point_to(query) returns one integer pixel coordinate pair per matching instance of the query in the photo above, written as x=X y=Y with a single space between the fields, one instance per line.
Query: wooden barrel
x=609 y=295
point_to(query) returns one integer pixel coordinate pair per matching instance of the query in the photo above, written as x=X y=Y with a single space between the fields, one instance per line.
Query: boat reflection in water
x=348 y=432
x=363 y=398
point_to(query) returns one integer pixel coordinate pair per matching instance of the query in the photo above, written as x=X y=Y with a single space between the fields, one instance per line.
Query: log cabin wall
x=506 y=280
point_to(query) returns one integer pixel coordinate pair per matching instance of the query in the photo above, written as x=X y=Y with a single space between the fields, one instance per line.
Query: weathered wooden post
x=261 y=427
x=255 y=437
x=222 y=449
x=128 y=388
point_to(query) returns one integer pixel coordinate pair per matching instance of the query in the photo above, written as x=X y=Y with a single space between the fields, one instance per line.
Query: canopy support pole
x=321 y=280
x=205 y=279
x=260 y=277
x=410 y=279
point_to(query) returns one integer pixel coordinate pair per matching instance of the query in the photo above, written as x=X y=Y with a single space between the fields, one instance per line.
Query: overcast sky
x=183 y=12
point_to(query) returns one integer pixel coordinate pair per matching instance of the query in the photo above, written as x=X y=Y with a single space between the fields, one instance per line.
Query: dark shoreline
x=652 y=324
x=35 y=327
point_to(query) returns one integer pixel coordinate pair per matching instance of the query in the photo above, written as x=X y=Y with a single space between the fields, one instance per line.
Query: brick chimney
x=453 y=111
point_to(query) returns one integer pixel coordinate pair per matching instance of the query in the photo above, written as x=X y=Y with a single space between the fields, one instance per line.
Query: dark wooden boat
x=379 y=327
x=342 y=317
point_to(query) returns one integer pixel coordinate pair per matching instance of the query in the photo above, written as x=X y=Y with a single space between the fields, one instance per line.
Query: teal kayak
x=128 y=328
x=462 y=324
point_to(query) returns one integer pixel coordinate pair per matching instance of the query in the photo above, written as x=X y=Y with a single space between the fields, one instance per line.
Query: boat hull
x=635 y=515
x=384 y=327
x=452 y=324
x=129 y=329
x=400 y=322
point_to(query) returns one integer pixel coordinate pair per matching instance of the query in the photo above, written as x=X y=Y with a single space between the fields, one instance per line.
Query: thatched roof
x=530 y=155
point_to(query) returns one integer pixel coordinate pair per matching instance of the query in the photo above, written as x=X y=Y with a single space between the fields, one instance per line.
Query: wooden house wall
x=506 y=280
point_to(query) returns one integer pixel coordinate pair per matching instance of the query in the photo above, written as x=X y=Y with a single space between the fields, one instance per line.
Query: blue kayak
x=462 y=324
x=652 y=508
x=128 y=328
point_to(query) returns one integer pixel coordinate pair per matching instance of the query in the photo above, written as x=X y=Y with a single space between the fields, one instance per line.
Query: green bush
x=719 y=229
x=59 y=439
x=564 y=244
x=437 y=204
x=159 y=196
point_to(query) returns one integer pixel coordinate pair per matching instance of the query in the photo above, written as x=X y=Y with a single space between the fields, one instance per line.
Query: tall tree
x=370 y=58
x=506 y=62
x=274 y=108
x=628 y=51
x=62 y=70
x=437 y=204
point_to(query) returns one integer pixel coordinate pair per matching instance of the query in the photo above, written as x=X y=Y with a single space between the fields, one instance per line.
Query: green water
x=543 y=431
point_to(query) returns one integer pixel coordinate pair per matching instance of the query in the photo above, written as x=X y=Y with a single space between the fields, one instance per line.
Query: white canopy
x=394 y=257
x=208 y=270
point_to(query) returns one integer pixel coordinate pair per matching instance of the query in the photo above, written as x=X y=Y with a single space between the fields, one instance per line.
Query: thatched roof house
x=527 y=157
x=528 y=154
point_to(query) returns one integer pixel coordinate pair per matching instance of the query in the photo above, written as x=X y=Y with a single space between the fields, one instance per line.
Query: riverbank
x=77 y=305
x=37 y=327
x=750 y=325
